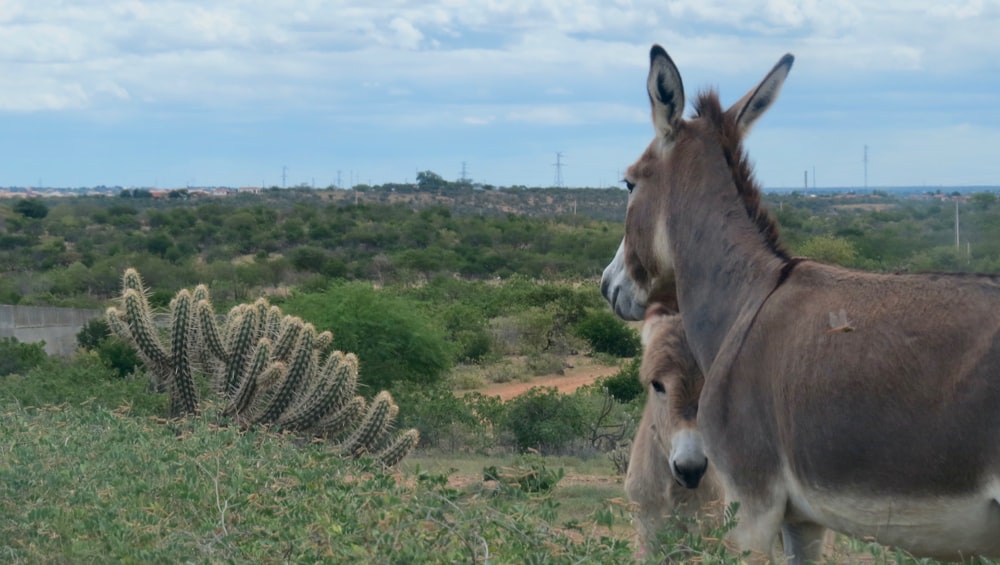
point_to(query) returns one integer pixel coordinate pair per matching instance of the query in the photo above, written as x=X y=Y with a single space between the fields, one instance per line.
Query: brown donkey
x=865 y=403
x=668 y=437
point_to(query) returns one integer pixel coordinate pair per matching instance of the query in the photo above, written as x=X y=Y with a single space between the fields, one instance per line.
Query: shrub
x=545 y=420
x=607 y=334
x=81 y=378
x=395 y=344
x=624 y=386
x=443 y=419
x=16 y=357
x=117 y=355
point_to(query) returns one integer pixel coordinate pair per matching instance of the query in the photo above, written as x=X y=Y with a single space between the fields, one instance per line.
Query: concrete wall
x=57 y=327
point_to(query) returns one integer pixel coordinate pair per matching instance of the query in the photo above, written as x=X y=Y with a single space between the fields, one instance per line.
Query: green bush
x=396 y=345
x=111 y=350
x=546 y=420
x=82 y=378
x=624 y=386
x=16 y=357
x=443 y=419
x=607 y=334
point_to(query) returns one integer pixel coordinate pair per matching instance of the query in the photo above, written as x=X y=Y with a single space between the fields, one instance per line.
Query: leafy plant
x=624 y=386
x=545 y=420
x=17 y=357
x=607 y=334
x=529 y=475
x=394 y=342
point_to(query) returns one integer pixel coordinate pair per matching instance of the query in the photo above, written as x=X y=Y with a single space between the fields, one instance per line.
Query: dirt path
x=584 y=371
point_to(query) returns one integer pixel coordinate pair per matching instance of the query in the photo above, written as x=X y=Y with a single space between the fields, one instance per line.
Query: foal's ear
x=666 y=92
x=759 y=99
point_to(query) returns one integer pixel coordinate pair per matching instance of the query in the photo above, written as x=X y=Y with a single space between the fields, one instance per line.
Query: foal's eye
x=629 y=184
x=658 y=387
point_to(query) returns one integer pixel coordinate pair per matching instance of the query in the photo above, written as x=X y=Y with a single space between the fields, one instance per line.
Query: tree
x=428 y=180
x=983 y=200
x=31 y=208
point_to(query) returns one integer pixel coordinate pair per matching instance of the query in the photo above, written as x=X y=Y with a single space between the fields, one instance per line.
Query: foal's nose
x=689 y=473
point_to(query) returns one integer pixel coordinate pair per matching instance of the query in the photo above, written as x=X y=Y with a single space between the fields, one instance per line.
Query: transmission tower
x=284 y=174
x=558 y=165
x=464 y=177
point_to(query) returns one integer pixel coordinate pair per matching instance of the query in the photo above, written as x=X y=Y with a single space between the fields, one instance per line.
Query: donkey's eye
x=658 y=387
x=629 y=184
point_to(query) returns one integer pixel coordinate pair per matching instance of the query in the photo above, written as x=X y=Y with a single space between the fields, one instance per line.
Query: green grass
x=84 y=484
x=90 y=473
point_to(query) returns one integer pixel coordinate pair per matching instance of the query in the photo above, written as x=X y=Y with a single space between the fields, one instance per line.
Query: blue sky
x=232 y=92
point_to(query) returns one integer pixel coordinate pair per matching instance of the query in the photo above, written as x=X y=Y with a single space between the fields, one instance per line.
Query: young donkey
x=668 y=473
x=866 y=403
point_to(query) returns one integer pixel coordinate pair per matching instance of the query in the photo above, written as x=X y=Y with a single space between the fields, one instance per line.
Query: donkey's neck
x=725 y=270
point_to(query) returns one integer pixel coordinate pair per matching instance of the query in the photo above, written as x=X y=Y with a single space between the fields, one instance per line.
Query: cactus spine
x=267 y=368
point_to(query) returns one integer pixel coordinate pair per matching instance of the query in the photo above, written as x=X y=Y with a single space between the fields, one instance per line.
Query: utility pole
x=866 y=167
x=814 y=177
x=338 y=178
x=805 y=179
x=284 y=174
x=558 y=165
x=958 y=246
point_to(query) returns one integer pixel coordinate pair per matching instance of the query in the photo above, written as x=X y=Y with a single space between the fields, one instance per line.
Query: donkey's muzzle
x=689 y=473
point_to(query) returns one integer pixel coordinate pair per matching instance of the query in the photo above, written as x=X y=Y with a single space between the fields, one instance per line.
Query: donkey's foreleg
x=756 y=531
x=803 y=542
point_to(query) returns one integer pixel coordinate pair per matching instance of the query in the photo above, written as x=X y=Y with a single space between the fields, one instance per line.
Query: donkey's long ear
x=666 y=92
x=759 y=99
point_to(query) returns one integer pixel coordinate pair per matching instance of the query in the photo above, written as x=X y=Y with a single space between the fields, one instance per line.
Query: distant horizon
x=962 y=188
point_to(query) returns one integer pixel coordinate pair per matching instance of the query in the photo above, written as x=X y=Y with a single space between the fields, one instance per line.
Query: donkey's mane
x=707 y=107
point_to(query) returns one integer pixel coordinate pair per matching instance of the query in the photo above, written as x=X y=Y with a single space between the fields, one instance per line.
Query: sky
x=174 y=93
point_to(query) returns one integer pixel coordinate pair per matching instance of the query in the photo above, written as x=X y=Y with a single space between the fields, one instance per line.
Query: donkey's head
x=673 y=381
x=682 y=158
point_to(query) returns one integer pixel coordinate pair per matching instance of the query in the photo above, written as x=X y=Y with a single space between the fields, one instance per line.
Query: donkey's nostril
x=689 y=474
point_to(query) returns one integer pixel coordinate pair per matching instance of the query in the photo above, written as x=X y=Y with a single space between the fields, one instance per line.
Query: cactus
x=268 y=368
x=298 y=374
x=381 y=413
x=336 y=424
x=183 y=395
x=337 y=381
x=170 y=367
x=399 y=448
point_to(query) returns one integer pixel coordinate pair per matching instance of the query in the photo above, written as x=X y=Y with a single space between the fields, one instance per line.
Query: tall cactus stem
x=248 y=386
x=210 y=329
x=140 y=322
x=242 y=342
x=399 y=448
x=302 y=363
x=324 y=340
x=338 y=423
x=132 y=280
x=379 y=417
x=288 y=336
x=183 y=395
